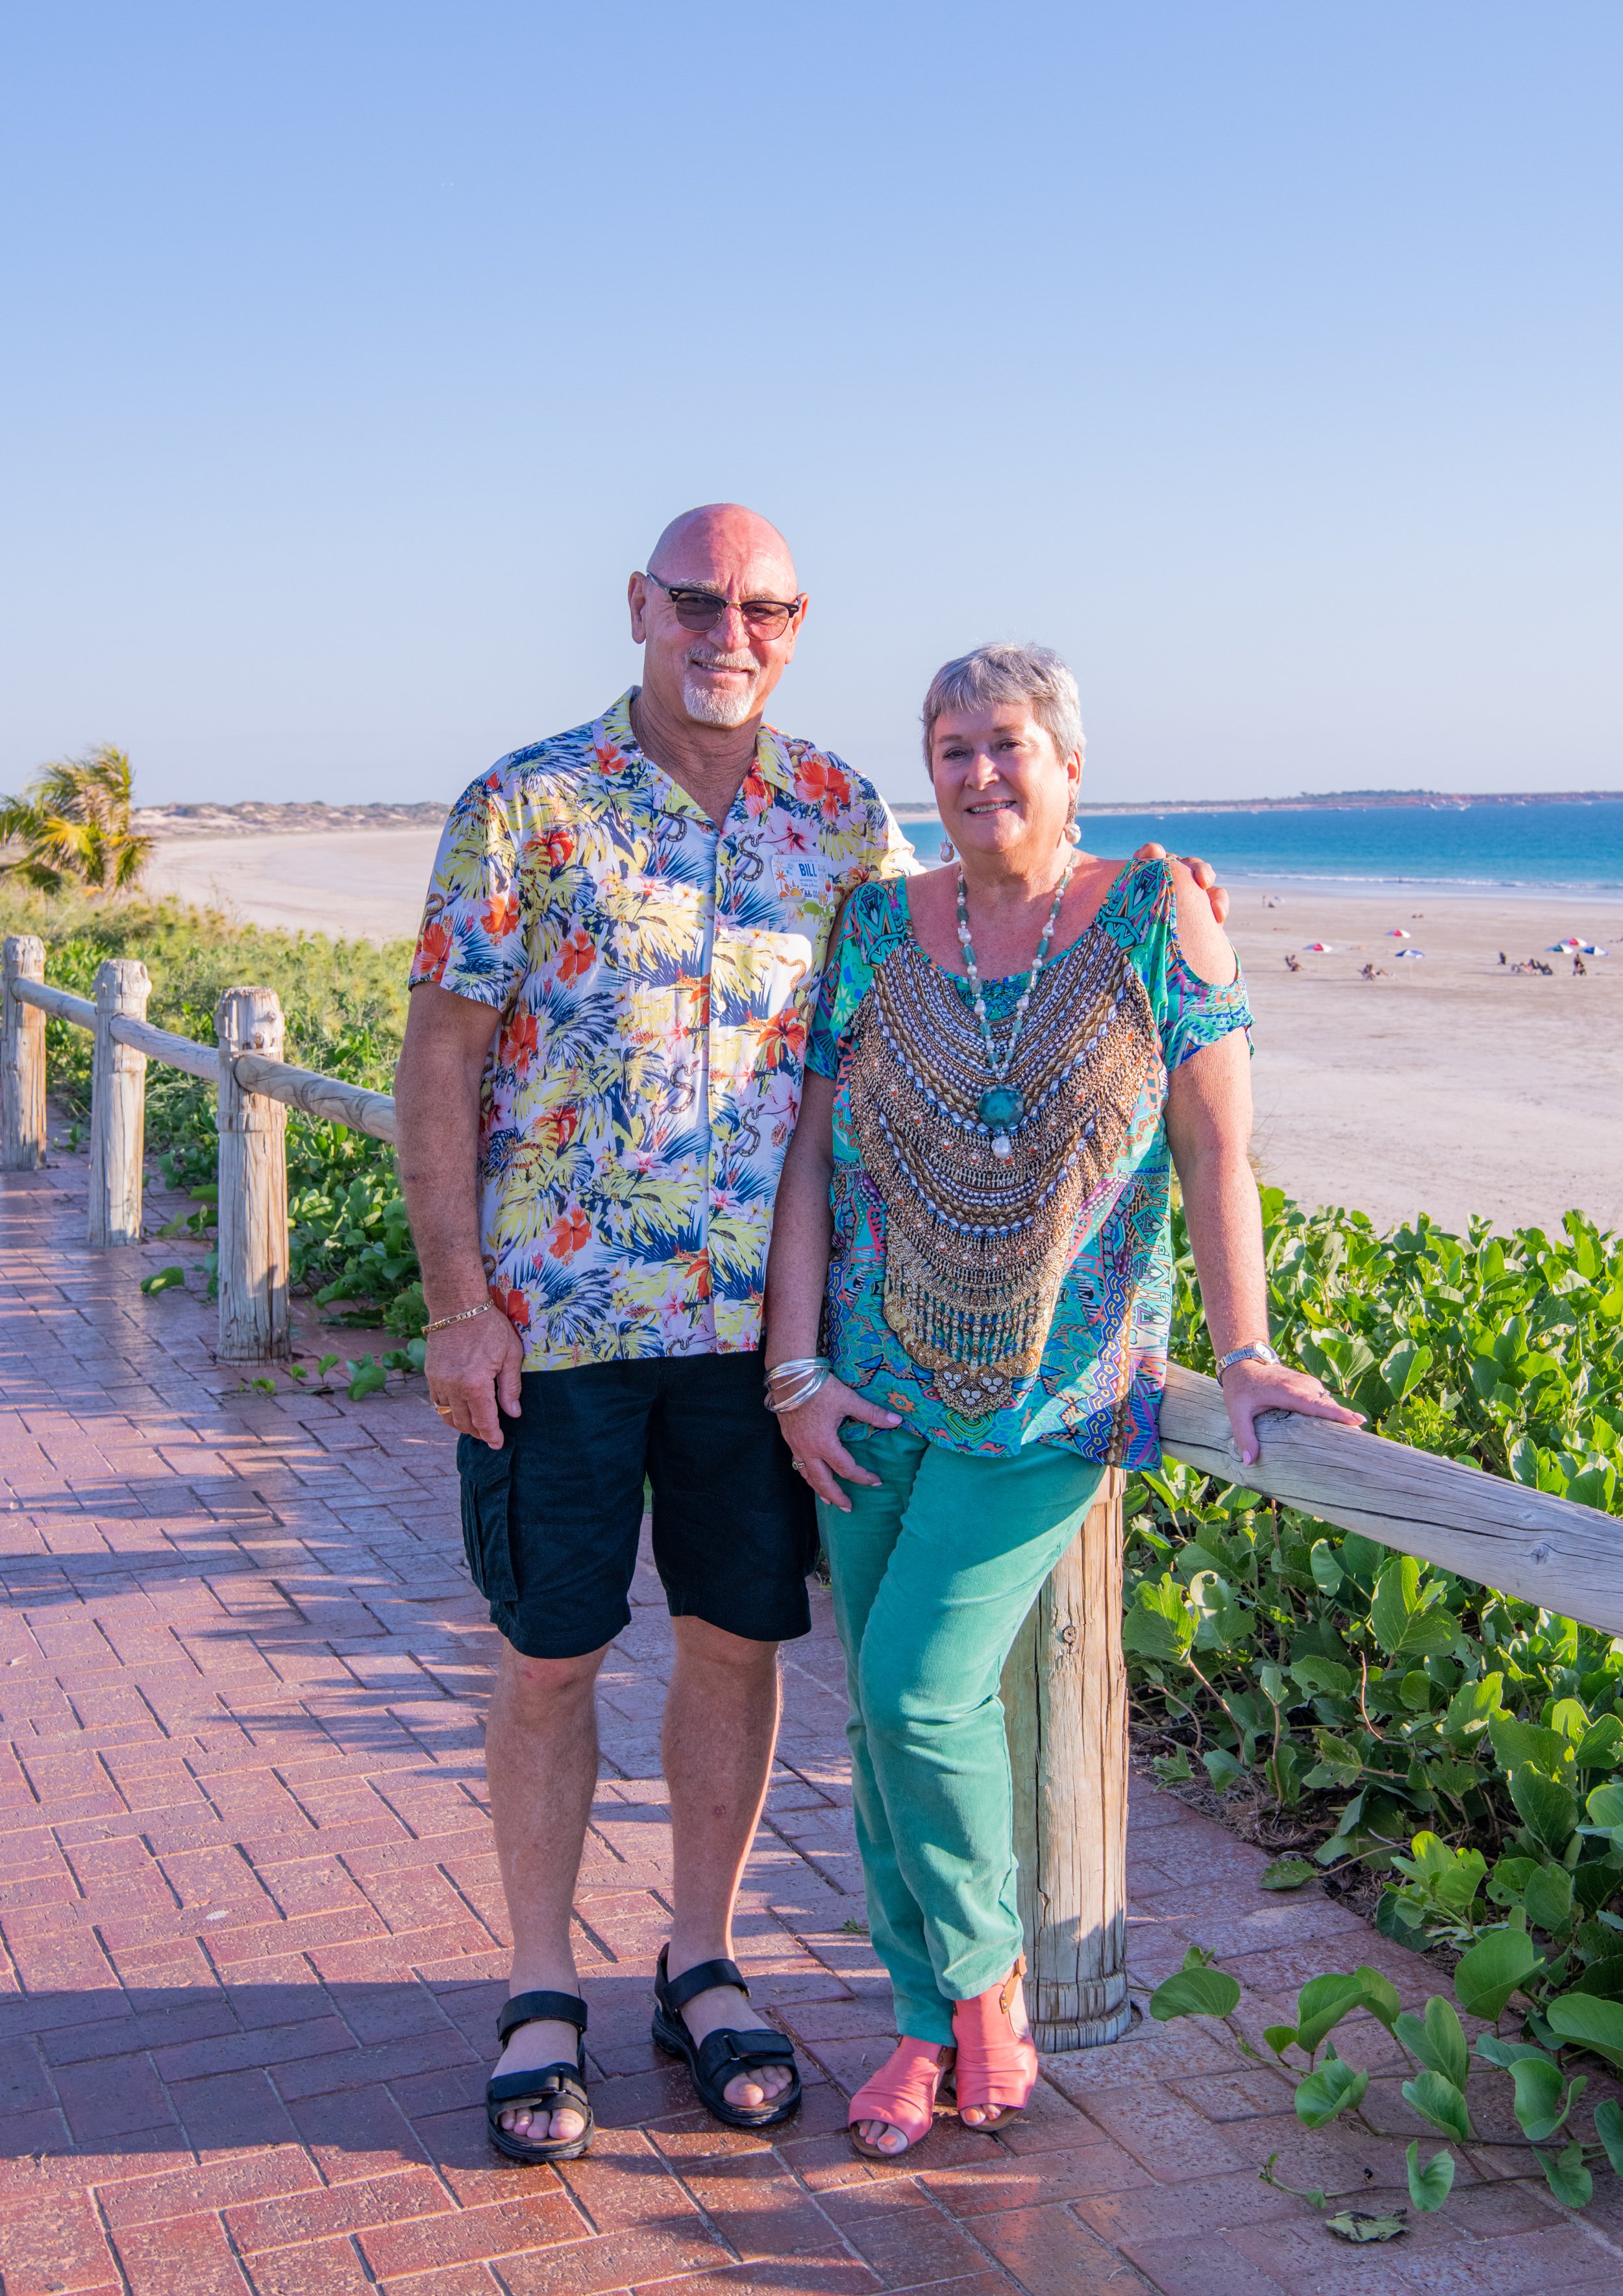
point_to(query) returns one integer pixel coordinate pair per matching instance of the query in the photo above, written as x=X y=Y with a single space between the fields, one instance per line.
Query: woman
x=975 y=1210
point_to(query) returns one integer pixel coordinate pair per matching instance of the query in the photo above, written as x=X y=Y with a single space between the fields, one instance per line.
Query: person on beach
x=611 y=991
x=975 y=1215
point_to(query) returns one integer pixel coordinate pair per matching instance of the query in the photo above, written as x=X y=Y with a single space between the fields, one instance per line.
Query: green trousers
x=934 y=1571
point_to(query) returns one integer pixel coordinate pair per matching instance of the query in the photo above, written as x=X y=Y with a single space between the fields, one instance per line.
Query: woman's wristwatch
x=1254 y=1351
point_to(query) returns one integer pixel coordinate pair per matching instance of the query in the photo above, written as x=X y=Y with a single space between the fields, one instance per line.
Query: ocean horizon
x=1530 y=848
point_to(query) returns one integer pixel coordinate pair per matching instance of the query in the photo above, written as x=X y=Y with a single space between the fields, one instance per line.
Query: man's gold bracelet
x=440 y=1323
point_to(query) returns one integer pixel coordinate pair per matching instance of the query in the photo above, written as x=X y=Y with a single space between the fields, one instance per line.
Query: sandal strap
x=545 y=2089
x=903 y=2091
x=674 y=1993
x=725 y=2054
x=536 y=2008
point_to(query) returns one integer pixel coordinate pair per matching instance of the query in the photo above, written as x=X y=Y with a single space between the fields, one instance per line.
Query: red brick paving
x=254 y=1931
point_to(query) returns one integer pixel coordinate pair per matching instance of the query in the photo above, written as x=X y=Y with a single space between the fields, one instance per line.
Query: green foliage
x=344 y=1008
x=1544 y=2093
x=1333 y=2088
x=1467 y=1747
x=1502 y=1962
x=1286 y=1874
x=1196 y=1990
x=1429 y=2188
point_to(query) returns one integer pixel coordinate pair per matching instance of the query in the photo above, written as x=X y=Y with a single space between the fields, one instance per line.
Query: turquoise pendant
x=999 y=1109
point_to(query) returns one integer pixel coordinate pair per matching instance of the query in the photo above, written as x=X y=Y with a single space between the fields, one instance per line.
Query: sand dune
x=1453 y=1085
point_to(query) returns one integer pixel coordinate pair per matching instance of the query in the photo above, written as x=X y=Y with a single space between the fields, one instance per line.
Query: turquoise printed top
x=1024 y=1296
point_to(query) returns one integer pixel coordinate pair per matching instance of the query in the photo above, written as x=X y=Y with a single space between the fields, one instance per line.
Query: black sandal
x=721 y=2056
x=549 y=2088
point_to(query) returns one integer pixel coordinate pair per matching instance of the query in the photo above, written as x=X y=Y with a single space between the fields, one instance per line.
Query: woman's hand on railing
x=471 y=1367
x=1250 y=1388
x=813 y=1435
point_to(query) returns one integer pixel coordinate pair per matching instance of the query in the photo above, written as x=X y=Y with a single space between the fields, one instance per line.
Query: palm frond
x=74 y=821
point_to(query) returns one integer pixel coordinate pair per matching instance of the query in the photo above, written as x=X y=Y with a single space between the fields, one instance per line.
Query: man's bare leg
x=721 y=1724
x=541 y=1762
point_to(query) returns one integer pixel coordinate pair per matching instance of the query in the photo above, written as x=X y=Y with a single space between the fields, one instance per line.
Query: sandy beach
x=357 y=884
x=1452 y=1085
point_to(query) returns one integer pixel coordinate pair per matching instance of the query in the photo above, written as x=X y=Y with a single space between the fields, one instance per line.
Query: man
x=602 y=1068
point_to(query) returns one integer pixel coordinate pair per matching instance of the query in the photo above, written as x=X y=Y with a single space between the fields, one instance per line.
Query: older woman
x=974 y=1216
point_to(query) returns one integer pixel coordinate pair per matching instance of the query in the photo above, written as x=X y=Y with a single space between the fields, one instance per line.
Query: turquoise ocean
x=1528 y=848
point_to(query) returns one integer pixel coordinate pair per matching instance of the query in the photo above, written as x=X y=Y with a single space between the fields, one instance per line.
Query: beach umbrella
x=1590 y=948
x=1409 y=952
x=1318 y=947
x=1568 y=947
x=1398 y=932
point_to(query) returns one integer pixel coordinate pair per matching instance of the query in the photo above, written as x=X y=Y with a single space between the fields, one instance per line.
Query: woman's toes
x=517 y=2122
x=567 y=2126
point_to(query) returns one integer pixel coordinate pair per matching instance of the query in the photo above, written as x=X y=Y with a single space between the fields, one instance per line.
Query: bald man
x=618 y=965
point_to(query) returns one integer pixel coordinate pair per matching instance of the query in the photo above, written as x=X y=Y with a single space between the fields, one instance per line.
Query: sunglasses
x=701 y=610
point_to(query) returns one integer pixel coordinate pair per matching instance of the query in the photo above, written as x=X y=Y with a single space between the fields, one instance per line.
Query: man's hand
x=1202 y=872
x=1250 y=1388
x=813 y=1435
x=471 y=1367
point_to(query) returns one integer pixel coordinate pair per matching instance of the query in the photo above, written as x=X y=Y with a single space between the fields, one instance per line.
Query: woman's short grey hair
x=1030 y=674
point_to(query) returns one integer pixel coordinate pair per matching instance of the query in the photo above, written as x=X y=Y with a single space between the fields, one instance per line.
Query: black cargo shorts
x=550 y=1521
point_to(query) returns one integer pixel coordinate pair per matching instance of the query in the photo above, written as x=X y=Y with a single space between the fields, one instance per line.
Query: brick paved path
x=254 y=1925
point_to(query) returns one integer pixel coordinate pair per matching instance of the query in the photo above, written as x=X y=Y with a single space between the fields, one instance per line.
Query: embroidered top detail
x=995 y=1300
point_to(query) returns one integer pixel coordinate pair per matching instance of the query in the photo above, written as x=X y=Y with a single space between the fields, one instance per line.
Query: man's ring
x=444 y=1409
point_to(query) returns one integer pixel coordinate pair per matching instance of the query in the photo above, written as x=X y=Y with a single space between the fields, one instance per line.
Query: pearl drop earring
x=947 y=853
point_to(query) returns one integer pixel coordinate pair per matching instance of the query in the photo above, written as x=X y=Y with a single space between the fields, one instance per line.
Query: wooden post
x=22 y=1060
x=1065 y=1697
x=117 y=1105
x=253 y=1257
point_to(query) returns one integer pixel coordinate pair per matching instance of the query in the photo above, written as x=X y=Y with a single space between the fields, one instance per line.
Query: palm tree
x=73 y=822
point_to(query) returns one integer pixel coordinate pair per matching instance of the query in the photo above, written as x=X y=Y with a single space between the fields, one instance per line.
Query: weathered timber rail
x=1527 y=1543
x=255 y=1088
x=1065 y=1686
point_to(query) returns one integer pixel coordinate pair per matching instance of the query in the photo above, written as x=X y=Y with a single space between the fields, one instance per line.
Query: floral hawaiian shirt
x=656 y=980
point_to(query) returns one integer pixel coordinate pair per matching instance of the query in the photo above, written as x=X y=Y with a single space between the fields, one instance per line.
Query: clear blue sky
x=1262 y=358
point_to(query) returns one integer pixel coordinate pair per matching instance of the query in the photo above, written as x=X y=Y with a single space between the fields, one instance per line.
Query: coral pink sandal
x=902 y=2094
x=997 y=2070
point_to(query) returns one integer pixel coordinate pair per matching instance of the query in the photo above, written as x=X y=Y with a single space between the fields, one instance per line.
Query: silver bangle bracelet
x=800 y=1381
x=792 y=1402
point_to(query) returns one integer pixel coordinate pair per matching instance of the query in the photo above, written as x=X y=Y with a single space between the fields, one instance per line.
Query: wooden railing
x=255 y=1088
x=1065 y=1684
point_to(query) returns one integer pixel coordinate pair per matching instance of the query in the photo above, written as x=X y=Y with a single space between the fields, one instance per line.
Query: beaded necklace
x=1002 y=1106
